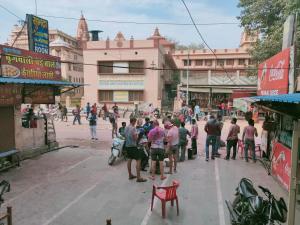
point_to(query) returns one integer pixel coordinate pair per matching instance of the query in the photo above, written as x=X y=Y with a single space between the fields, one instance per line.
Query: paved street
x=75 y=186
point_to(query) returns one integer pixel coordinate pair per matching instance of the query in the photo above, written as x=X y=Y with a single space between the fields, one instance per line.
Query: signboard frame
x=273 y=74
x=38 y=34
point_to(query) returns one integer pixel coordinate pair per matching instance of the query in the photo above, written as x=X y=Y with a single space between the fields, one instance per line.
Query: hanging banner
x=281 y=164
x=273 y=74
x=20 y=63
x=120 y=96
x=38 y=34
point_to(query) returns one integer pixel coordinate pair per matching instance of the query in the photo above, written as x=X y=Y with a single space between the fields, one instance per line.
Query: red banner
x=273 y=74
x=19 y=63
x=281 y=164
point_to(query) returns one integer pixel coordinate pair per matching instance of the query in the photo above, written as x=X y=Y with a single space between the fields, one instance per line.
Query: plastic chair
x=166 y=194
x=241 y=147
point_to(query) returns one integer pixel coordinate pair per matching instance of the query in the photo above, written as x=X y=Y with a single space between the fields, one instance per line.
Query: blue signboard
x=38 y=34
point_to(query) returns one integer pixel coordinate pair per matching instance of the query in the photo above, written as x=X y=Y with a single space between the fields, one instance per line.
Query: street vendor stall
x=32 y=78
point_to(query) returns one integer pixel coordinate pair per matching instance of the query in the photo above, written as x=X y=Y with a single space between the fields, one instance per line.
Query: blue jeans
x=251 y=144
x=218 y=143
x=210 y=139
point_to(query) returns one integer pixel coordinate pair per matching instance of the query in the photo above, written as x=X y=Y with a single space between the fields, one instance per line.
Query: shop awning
x=5 y=80
x=287 y=98
x=288 y=104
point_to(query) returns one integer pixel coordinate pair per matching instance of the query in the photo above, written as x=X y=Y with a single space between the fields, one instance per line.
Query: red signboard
x=273 y=74
x=19 y=63
x=281 y=164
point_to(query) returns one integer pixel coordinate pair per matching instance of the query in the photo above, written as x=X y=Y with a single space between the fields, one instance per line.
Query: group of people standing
x=169 y=141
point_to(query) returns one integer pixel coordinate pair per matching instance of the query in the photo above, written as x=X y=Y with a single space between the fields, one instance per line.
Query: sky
x=154 y=11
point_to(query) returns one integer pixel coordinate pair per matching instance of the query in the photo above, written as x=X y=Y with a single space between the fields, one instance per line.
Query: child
x=122 y=129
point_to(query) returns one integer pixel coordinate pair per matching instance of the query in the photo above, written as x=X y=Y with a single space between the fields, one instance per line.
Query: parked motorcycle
x=117 y=149
x=248 y=208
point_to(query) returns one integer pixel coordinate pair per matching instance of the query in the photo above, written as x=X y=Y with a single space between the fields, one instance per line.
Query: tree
x=179 y=46
x=267 y=17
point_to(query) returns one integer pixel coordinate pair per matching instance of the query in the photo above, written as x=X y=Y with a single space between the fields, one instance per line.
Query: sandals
x=162 y=178
x=132 y=177
x=141 y=180
x=152 y=177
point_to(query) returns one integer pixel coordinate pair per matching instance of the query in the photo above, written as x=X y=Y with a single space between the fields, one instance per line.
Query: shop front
x=27 y=78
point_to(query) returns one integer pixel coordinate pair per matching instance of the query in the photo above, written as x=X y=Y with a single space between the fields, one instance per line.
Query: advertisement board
x=38 y=34
x=39 y=95
x=281 y=164
x=273 y=74
x=19 y=63
x=10 y=94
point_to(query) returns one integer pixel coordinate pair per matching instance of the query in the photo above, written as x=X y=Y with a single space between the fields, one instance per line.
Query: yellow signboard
x=120 y=96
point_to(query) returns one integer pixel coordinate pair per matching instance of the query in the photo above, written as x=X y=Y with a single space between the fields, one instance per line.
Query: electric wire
x=10 y=12
x=203 y=40
x=141 y=23
x=148 y=68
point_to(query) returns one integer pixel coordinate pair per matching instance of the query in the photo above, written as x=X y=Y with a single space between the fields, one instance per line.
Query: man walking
x=131 y=137
x=194 y=136
x=218 y=141
x=93 y=125
x=88 y=110
x=232 y=139
x=211 y=128
x=172 y=146
x=76 y=113
x=248 y=138
x=183 y=141
x=156 y=138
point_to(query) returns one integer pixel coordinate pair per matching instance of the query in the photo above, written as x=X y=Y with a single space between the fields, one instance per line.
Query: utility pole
x=187 y=77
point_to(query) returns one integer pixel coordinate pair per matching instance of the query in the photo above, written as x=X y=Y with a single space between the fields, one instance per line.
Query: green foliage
x=267 y=17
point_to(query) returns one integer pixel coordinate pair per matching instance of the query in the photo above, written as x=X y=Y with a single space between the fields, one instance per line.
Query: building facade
x=215 y=77
x=68 y=48
x=130 y=71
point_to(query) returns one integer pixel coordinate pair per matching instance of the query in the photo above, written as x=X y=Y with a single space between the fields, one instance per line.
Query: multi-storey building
x=126 y=71
x=215 y=77
x=68 y=48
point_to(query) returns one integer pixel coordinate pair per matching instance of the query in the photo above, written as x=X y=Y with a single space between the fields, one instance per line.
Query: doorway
x=7 y=129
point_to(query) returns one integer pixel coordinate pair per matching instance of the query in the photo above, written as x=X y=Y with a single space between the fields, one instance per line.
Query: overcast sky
x=203 y=11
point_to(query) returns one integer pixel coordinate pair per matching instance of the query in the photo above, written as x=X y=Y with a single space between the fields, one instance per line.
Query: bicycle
x=267 y=163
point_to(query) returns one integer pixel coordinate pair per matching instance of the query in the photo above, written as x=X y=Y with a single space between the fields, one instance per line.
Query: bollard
x=9 y=215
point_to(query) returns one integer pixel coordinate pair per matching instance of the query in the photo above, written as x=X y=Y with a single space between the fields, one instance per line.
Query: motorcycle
x=248 y=208
x=117 y=149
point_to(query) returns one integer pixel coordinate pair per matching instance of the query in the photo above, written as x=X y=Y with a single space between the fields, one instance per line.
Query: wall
x=28 y=138
x=91 y=77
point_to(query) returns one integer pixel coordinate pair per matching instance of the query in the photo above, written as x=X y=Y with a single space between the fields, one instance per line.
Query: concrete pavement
x=75 y=186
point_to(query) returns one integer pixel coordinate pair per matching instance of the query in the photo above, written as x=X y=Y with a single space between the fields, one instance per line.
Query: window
x=121 y=67
x=70 y=78
x=78 y=67
x=105 y=67
x=208 y=62
x=136 y=96
x=70 y=66
x=242 y=62
x=220 y=62
x=186 y=62
x=105 y=96
x=230 y=62
x=136 y=67
x=75 y=57
x=251 y=62
x=199 y=62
